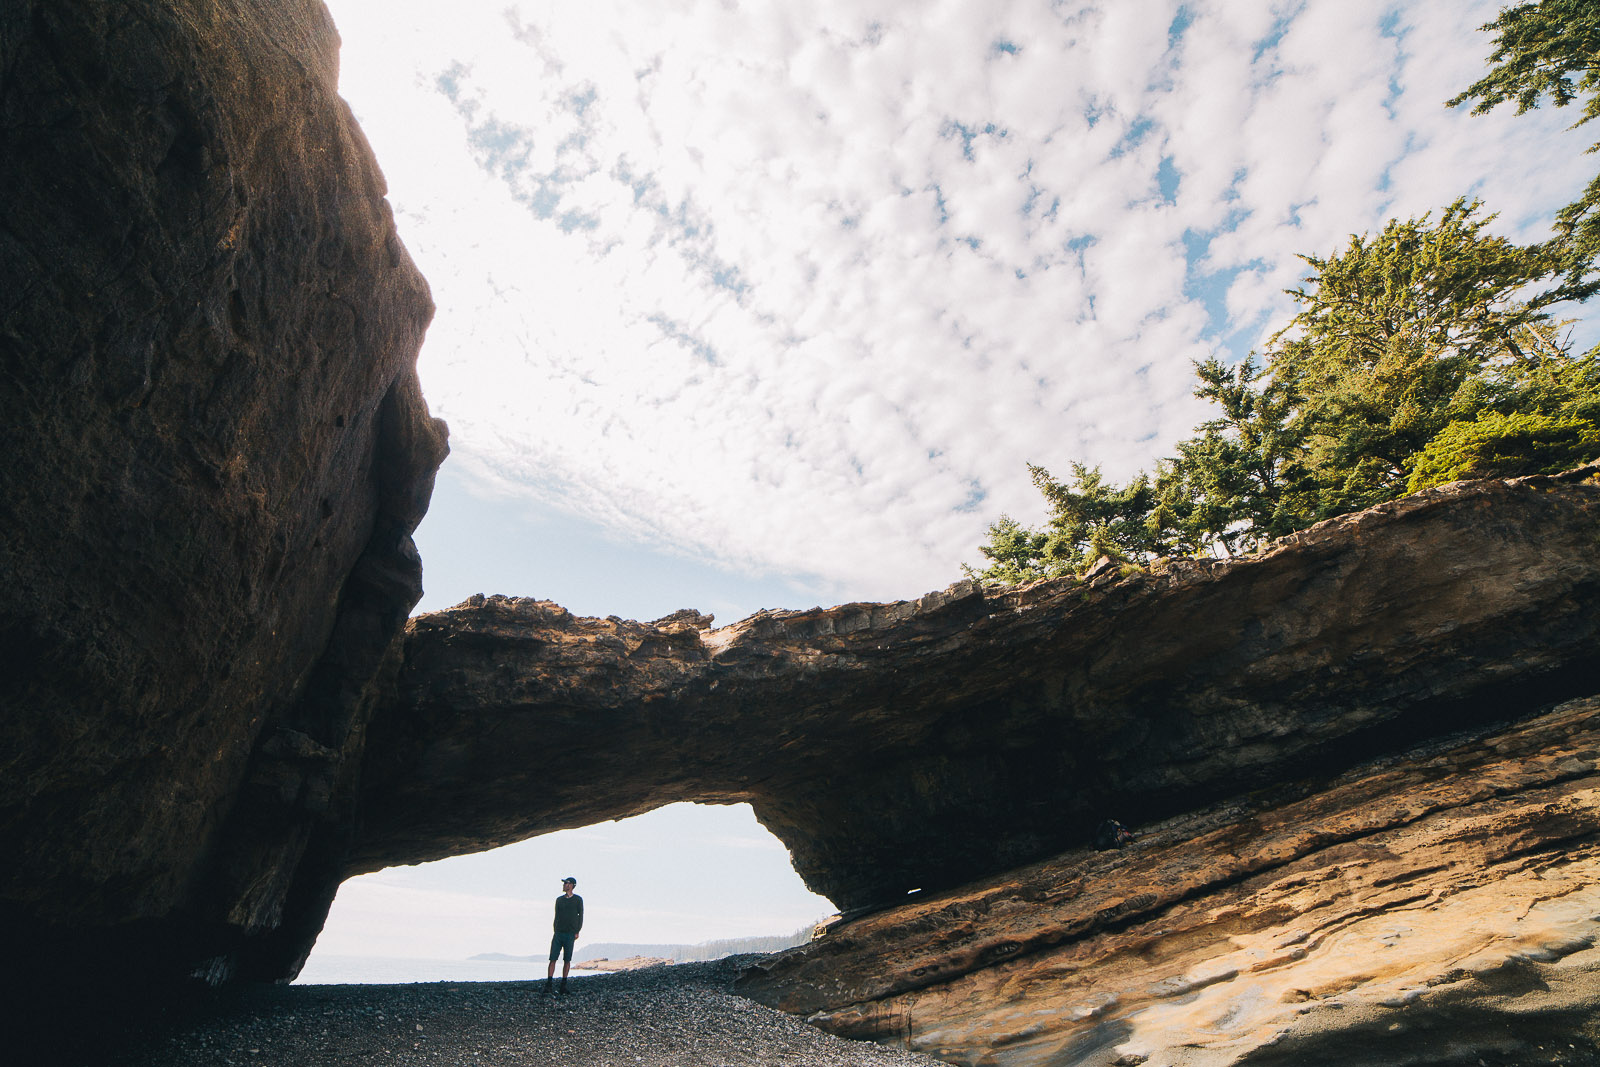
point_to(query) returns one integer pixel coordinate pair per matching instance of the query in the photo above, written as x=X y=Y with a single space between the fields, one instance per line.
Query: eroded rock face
x=924 y=744
x=216 y=450
x=1436 y=909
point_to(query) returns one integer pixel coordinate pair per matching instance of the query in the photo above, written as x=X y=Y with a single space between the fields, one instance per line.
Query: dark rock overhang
x=920 y=745
x=216 y=450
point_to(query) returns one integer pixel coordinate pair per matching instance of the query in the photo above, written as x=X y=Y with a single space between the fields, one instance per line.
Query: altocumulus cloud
x=801 y=287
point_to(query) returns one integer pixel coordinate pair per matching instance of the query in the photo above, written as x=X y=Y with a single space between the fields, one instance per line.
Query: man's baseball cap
x=564 y=881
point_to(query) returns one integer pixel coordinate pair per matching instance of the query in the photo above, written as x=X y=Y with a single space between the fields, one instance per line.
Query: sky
x=680 y=875
x=747 y=305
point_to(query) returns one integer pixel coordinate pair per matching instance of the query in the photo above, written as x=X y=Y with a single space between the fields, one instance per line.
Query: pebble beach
x=682 y=1015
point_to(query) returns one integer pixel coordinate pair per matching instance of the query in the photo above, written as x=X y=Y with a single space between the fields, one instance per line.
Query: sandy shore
x=677 y=1016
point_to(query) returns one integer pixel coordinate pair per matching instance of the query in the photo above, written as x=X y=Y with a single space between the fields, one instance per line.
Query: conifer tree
x=1417 y=357
x=1390 y=333
x=1411 y=362
x=1550 y=50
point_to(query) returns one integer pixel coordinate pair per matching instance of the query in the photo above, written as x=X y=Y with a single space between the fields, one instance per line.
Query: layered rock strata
x=216 y=450
x=1439 y=909
x=920 y=745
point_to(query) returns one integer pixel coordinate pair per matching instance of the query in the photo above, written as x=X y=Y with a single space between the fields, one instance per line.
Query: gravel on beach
x=666 y=1016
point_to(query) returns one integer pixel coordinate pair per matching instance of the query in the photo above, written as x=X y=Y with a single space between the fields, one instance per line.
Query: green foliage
x=1417 y=357
x=1390 y=333
x=1089 y=518
x=1496 y=445
x=1541 y=376
x=1537 y=49
x=1550 y=50
x=1536 y=413
x=1234 y=484
x=1409 y=363
x=1015 y=554
x=1447 y=286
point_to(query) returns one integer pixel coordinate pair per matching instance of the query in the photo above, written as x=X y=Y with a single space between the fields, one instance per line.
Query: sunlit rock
x=1433 y=909
x=212 y=711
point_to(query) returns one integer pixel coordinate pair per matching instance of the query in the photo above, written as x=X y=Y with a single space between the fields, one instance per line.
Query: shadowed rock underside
x=215 y=452
x=894 y=747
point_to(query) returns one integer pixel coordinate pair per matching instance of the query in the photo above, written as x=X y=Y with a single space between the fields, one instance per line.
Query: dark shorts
x=562 y=943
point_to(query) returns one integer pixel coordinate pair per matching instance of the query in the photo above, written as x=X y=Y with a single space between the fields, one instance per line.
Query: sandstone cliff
x=920 y=745
x=216 y=450
x=1288 y=900
x=213 y=711
x=1443 y=908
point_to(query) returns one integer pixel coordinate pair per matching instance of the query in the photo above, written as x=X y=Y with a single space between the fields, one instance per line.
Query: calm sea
x=390 y=970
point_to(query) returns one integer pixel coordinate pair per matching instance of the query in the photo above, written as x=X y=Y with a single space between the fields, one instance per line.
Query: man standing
x=569 y=920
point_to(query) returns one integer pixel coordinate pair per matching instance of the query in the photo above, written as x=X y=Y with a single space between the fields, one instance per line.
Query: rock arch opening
x=681 y=876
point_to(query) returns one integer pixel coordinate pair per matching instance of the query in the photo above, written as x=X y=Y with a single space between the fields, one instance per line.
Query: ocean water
x=394 y=970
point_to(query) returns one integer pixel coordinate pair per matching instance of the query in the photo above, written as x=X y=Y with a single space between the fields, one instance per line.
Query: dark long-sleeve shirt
x=569 y=914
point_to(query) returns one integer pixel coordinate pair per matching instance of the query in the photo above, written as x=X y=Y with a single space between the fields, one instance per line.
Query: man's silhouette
x=569 y=920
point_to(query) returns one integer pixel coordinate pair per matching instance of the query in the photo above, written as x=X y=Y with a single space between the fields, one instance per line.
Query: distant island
x=616 y=953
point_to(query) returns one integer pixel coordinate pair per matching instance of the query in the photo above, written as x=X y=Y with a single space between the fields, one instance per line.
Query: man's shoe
x=563 y=987
x=549 y=986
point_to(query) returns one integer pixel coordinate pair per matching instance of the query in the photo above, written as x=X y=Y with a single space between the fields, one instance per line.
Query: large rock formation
x=1441 y=909
x=215 y=450
x=922 y=745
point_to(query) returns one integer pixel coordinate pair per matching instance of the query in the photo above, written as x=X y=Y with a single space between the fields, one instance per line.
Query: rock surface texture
x=216 y=450
x=1439 y=909
x=922 y=745
x=213 y=711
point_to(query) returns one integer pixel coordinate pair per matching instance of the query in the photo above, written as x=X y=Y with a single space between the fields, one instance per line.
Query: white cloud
x=802 y=287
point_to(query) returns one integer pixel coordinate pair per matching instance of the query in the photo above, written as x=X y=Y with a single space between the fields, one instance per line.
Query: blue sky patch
x=1180 y=22
x=1167 y=179
x=676 y=331
x=976 y=495
x=1136 y=132
x=1274 y=36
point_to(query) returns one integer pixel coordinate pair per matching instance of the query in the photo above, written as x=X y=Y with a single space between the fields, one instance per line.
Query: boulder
x=216 y=451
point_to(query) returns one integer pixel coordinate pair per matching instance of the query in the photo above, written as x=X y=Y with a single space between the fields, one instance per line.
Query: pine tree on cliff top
x=1411 y=362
